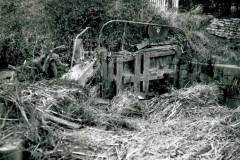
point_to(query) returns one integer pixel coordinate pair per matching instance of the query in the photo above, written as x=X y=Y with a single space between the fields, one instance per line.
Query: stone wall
x=226 y=28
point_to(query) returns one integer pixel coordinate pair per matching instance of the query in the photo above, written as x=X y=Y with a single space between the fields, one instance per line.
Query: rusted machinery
x=135 y=56
x=138 y=72
x=146 y=58
x=148 y=69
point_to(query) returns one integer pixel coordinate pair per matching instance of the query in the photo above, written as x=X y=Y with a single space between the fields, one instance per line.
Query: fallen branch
x=7 y=119
x=59 y=120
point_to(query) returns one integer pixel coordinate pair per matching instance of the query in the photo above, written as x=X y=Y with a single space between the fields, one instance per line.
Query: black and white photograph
x=119 y=79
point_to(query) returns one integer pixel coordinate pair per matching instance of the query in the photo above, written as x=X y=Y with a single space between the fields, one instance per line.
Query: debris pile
x=128 y=104
x=187 y=102
x=35 y=113
x=38 y=114
x=81 y=72
x=59 y=119
x=185 y=124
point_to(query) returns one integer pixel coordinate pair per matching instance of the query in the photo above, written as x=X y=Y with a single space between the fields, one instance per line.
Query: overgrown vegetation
x=31 y=28
x=205 y=46
x=11 y=47
x=61 y=119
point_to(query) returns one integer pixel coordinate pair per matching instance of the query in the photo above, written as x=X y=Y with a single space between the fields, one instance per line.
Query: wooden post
x=119 y=74
x=146 y=72
x=103 y=53
x=137 y=70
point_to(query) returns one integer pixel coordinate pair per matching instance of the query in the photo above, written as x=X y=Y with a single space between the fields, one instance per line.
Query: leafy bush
x=10 y=36
x=32 y=27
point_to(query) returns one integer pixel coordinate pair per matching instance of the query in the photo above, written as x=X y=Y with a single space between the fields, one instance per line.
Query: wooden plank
x=153 y=75
x=146 y=73
x=104 y=73
x=58 y=120
x=127 y=78
x=127 y=58
x=137 y=70
x=119 y=74
x=111 y=70
x=62 y=121
x=161 y=53
x=159 y=74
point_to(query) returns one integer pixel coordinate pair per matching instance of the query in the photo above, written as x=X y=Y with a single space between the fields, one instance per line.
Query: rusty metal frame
x=124 y=22
x=119 y=64
x=134 y=22
x=84 y=31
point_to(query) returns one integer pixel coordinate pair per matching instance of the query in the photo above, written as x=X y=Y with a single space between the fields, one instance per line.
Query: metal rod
x=133 y=22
